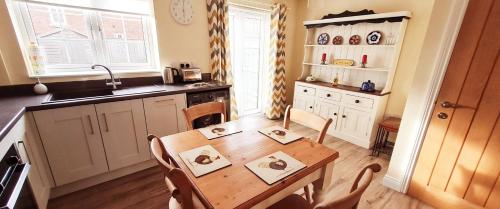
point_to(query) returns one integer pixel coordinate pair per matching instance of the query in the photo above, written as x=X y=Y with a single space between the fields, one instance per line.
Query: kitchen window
x=71 y=38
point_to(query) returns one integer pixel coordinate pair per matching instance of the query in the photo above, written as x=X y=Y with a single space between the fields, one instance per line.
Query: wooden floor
x=146 y=189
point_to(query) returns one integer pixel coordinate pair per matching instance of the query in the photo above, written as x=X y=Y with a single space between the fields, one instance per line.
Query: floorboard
x=146 y=189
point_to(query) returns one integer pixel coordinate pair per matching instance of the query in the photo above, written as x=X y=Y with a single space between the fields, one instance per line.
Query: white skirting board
x=392 y=183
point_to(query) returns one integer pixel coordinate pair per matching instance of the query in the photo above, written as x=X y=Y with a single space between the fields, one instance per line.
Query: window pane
x=124 y=38
x=62 y=33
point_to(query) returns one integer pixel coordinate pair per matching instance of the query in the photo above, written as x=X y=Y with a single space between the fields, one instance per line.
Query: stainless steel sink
x=79 y=95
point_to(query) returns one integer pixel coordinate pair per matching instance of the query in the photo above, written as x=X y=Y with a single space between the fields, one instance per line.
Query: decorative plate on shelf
x=337 y=40
x=355 y=40
x=323 y=39
x=374 y=37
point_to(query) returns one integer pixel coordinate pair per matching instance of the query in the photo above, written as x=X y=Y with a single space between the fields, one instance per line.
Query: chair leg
x=308 y=194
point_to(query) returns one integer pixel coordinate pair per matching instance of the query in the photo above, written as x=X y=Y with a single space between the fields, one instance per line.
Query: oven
x=209 y=96
x=15 y=190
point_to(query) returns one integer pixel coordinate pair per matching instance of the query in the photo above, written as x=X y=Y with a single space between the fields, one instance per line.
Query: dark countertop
x=344 y=87
x=12 y=108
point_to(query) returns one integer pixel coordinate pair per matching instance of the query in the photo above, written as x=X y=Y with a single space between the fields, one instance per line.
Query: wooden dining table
x=236 y=186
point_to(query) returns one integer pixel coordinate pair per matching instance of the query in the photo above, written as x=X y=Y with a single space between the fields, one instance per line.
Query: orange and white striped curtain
x=277 y=98
x=218 y=30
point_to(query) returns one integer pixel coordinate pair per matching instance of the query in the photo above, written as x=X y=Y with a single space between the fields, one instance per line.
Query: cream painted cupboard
x=85 y=141
x=355 y=115
x=123 y=130
x=164 y=114
x=72 y=142
x=26 y=140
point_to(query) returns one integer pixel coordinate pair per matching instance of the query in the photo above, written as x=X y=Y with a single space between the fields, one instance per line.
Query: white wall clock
x=182 y=11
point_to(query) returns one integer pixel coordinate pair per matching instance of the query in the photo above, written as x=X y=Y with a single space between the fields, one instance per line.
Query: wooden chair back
x=307 y=119
x=176 y=180
x=199 y=110
x=351 y=200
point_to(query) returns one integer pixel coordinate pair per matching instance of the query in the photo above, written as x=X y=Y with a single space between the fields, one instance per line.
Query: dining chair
x=309 y=120
x=349 y=201
x=181 y=190
x=194 y=112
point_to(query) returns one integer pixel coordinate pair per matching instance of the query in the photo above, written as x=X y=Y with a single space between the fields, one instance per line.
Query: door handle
x=91 y=126
x=442 y=115
x=106 y=121
x=447 y=104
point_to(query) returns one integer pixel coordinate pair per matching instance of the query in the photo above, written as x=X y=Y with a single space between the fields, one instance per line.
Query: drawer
x=310 y=91
x=358 y=101
x=329 y=95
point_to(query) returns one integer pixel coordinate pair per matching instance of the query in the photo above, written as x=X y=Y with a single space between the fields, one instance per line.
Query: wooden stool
x=387 y=126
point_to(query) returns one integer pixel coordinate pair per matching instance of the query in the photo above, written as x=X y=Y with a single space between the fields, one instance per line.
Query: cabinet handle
x=335 y=113
x=305 y=90
x=91 y=126
x=328 y=95
x=343 y=116
x=356 y=101
x=164 y=100
x=310 y=107
x=25 y=150
x=106 y=121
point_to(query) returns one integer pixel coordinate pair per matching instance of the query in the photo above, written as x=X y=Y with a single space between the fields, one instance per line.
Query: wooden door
x=354 y=122
x=72 y=142
x=327 y=110
x=123 y=128
x=164 y=114
x=458 y=163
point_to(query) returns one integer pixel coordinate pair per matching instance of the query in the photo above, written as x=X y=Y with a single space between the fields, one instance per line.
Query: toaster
x=191 y=74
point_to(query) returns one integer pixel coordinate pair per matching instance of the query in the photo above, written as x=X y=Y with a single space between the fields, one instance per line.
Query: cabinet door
x=304 y=103
x=355 y=122
x=123 y=129
x=72 y=142
x=164 y=114
x=326 y=110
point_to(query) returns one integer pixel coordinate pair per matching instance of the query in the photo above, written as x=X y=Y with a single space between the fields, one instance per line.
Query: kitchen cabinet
x=26 y=140
x=164 y=114
x=326 y=110
x=354 y=122
x=355 y=115
x=123 y=130
x=72 y=142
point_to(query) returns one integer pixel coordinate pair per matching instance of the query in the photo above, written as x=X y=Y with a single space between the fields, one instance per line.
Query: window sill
x=93 y=73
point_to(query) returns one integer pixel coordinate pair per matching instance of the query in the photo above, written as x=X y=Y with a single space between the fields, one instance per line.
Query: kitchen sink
x=78 y=95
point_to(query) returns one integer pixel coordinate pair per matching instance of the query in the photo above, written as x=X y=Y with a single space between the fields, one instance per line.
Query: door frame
x=453 y=24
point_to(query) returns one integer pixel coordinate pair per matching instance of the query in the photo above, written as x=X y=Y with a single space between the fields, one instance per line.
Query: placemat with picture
x=275 y=167
x=203 y=160
x=219 y=130
x=280 y=134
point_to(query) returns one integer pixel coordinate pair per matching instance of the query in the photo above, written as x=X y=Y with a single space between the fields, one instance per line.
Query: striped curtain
x=276 y=98
x=218 y=30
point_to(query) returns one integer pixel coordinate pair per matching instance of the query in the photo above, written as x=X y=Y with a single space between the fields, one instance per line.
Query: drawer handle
x=343 y=116
x=164 y=100
x=310 y=107
x=328 y=95
x=356 y=101
x=335 y=113
x=305 y=90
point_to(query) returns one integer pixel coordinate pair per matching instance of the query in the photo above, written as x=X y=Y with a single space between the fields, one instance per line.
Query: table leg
x=323 y=182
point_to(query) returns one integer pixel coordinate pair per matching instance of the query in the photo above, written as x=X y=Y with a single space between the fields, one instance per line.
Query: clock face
x=182 y=11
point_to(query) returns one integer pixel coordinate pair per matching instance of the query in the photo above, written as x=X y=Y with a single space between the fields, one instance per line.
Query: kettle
x=171 y=75
x=368 y=86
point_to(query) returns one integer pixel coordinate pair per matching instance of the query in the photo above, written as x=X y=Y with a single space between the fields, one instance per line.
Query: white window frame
x=97 y=44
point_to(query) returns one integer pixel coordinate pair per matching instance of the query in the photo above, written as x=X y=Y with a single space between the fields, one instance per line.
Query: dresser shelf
x=378 y=69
